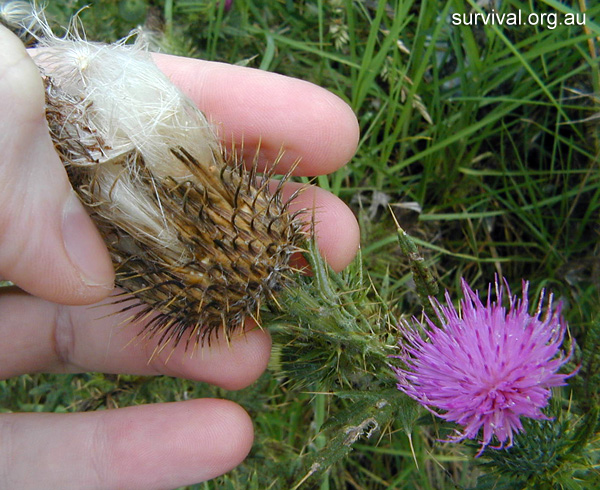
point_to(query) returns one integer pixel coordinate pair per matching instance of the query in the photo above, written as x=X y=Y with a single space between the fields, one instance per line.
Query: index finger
x=269 y=112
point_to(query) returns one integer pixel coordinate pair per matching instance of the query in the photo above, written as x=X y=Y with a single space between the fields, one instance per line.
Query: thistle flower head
x=485 y=365
x=199 y=239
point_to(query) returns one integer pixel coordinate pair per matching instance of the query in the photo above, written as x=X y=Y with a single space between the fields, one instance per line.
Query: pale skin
x=51 y=250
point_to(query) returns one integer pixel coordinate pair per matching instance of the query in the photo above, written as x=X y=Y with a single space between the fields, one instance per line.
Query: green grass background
x=483 y=140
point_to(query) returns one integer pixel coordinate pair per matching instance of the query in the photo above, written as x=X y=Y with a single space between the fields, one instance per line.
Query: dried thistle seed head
x=192 y=233
x=19 y=16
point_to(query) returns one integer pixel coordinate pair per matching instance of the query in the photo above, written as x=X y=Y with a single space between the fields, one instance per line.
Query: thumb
x=48 y=244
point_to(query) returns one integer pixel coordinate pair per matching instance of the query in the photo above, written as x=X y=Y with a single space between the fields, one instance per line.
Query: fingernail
x=84 y=245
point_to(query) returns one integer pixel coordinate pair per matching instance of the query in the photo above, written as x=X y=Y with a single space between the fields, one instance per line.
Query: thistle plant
x=485 y=367
x=202 y=244
x=552 y=452
x=193 y=235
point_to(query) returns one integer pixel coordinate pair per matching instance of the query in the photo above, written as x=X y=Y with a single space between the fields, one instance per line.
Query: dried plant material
x=192 y=233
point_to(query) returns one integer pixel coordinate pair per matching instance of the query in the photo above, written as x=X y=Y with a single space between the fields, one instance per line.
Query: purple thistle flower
x=486 y=367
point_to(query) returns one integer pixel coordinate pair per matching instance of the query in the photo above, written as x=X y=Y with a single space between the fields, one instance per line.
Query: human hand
x=52 y=251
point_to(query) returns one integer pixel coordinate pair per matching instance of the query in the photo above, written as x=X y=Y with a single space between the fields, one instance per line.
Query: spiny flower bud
x=192 y=233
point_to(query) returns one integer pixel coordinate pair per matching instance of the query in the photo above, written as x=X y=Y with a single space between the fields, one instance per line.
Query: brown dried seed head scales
x=197 y=238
